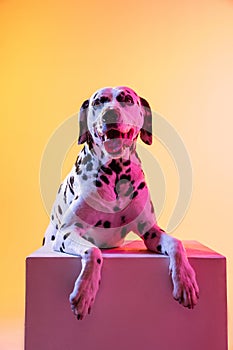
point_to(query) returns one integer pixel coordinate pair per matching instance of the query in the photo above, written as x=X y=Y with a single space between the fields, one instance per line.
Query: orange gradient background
x=54 y=54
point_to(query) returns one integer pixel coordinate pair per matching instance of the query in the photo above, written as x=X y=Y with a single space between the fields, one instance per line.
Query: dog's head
x=113 y=118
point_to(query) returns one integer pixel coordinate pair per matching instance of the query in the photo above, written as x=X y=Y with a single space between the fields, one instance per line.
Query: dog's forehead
x=112 y=92
x=126 y=89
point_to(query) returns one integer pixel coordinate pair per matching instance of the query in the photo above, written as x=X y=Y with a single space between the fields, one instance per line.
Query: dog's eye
x=129 y=100
x=96 y=103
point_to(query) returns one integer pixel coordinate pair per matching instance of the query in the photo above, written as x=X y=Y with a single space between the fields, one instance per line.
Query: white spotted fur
x=80 y=205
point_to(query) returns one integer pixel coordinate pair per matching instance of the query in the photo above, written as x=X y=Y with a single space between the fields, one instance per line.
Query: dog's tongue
x=113 y=145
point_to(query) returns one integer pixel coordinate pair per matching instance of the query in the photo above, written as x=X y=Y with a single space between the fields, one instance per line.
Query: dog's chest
x=98 y=191
x=115 y=181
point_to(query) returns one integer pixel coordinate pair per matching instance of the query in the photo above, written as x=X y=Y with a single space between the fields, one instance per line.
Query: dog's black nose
x=110 y=117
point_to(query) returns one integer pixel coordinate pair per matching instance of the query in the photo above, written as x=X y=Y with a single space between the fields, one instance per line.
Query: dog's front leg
x=185 y=288
x=87 y=283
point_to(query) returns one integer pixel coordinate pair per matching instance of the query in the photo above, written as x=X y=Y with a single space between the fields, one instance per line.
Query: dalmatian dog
x=105 y=196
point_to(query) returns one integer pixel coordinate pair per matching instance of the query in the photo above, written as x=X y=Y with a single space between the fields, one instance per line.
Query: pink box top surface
x=137 y=249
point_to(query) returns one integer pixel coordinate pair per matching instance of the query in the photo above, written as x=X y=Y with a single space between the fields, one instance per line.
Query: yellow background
x=54 y=54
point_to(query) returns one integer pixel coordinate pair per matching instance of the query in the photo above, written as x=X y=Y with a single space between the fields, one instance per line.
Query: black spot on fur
x=146 y=235
x=77 y=167
x=85 y=177
x=127 y=162
x=121 y=98
x=153 y=235
x=162 y=230
x=59 y=190
x=66 y=235
x=90 y=239
x=89 y=166
x=53 y=238
x=71 y=189
x=116 y=208
x=97 y=183
x=98 y=261
x=106 y=170
x=58 y=220
x=71 y=181
x=115 y=166
x=123 y=219
x=141 y=186
x=134 y=195
x=78 y=224
x=86 y=159
x=63 y=245
x=61 y=250
x=104 y=99
x=125 y=177
x=107 y=224
x=159 y=248
x=86 y=252
x=90 y=144
x=90 y=141
x=104 y=179
x=59 y=210
x=52 y=217
x=123 y=232
x=141 y=226
x=62 y=226
x=99 y=223
x=43 y=242
x=128 y=170
x=65 y=198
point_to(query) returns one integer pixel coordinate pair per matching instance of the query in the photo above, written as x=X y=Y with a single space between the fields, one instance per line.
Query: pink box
x=134 y=308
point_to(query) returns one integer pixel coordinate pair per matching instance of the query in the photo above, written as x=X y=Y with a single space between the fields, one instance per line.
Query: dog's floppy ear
x=83 y=129
x=146 y=130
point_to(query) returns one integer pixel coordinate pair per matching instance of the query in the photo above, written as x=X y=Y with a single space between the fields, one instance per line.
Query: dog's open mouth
x=114 y=140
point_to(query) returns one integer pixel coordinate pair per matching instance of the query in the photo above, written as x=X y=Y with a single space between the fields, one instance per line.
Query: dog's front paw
x=185 y=288
x=87 y=284
x=83 y=296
